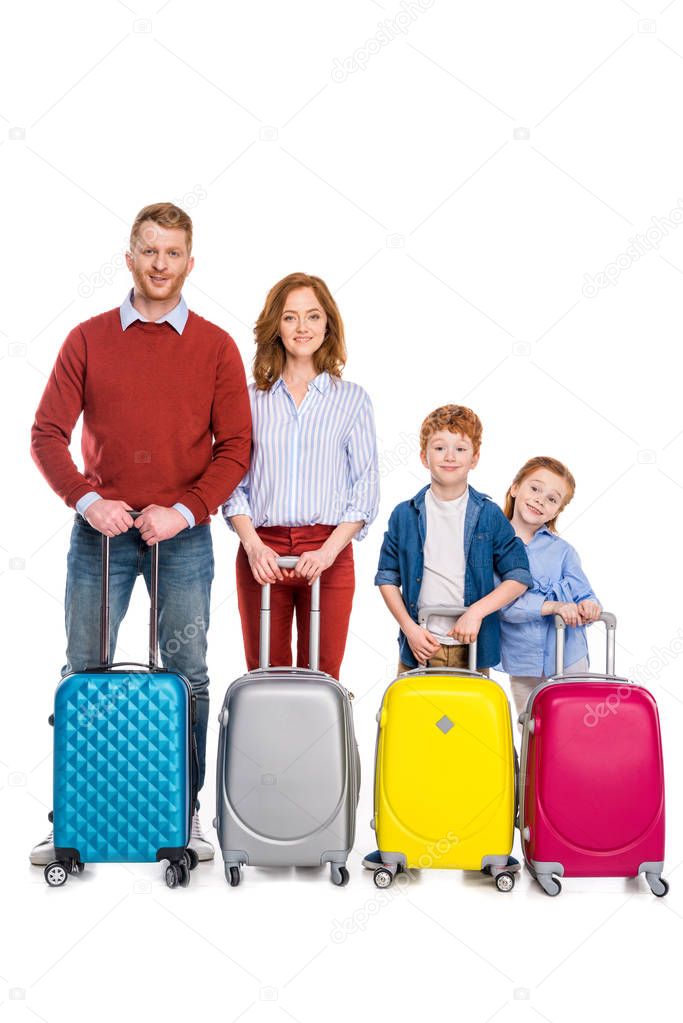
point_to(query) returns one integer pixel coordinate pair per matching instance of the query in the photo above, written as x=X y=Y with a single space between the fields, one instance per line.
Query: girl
x=313 y=481
x=542 y=488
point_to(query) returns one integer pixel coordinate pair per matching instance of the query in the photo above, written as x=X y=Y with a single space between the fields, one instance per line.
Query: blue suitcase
x=124 y=760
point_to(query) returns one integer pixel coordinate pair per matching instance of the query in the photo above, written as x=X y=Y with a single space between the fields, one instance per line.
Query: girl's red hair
x=552 y=465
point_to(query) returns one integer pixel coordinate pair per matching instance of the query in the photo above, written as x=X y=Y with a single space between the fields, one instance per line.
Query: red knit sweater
x=166 y=416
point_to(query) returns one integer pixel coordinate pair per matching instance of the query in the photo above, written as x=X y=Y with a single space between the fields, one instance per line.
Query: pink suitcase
x=592 y=777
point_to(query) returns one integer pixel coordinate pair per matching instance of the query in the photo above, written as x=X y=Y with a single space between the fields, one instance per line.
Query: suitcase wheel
x=232 y=875
x=191 y=858
x=339 y=875
x=172 y=876
x=177 y=875
x=383 y=877
x=55 y=874
x=505 y=881
x=658 y=886
x=550 y=885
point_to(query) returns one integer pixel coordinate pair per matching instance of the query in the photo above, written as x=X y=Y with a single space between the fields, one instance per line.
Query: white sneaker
x=198 y=841
x=44 y=852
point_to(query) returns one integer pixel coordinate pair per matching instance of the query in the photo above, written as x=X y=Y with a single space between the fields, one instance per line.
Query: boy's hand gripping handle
x=425 y=613
x=314 y=629
x=610 y=621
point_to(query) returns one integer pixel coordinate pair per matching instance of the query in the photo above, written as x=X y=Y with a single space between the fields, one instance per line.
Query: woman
x=313 y=482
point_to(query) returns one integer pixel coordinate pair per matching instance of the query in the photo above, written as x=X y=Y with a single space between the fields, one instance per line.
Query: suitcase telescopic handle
x=448 y=611
x=153 y=608
x=290 y=561
x=610 y=621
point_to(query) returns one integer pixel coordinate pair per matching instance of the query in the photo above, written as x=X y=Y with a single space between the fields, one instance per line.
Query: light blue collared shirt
x=317 y=464
x=527 y=637
x=177 y=318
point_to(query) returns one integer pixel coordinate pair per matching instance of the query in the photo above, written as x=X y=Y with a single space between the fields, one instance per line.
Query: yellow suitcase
x=445 y=775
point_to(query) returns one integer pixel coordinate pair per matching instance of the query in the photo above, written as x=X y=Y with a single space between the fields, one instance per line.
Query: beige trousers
x=447 y=657
x=521 y=685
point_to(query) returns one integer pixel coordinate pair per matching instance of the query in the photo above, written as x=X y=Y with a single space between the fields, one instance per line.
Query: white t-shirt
x=443 y=579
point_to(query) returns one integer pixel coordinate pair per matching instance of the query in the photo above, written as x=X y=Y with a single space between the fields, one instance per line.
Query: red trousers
x=337 y=584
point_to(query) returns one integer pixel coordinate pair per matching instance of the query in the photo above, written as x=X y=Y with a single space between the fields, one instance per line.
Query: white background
x=454 y=189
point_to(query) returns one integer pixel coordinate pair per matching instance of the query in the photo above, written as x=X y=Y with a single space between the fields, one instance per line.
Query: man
x=166 y=431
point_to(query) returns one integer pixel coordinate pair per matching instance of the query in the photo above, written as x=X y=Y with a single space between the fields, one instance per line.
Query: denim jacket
x=490 y=546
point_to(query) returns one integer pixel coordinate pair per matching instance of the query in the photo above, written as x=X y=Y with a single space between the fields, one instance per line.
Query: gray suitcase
x=288 y=774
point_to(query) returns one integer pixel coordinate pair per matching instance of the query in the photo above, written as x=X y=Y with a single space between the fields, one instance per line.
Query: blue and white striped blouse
x=317 y=464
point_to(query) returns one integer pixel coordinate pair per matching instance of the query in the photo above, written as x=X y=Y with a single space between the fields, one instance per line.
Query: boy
x=442 y=548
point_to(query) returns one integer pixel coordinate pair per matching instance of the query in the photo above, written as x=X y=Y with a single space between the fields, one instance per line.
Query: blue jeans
x=185 y=575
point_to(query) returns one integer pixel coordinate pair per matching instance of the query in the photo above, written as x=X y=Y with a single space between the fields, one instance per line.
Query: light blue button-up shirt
x=317 y=464
x=177 y=318
x=528 y=638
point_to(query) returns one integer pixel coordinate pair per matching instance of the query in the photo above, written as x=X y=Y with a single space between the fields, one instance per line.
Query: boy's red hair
x=455 y=419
